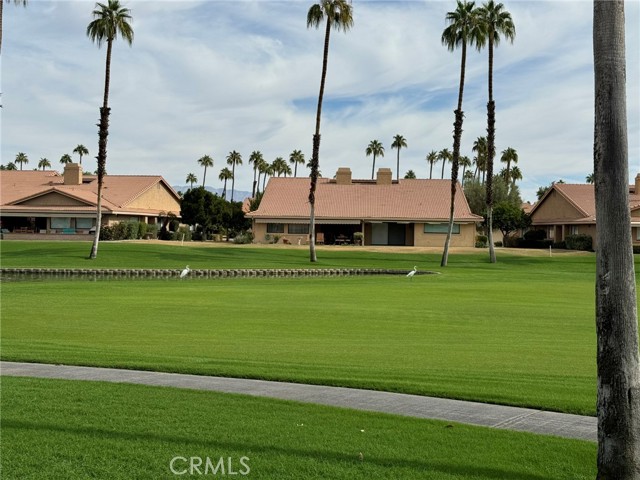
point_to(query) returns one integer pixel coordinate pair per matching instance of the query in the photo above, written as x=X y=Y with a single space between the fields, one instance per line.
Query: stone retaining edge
x=206 y=273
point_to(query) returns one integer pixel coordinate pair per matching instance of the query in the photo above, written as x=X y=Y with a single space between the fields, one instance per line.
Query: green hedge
x=579 y=242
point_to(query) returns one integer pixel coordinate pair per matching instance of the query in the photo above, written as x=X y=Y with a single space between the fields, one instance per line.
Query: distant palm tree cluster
x=261 y=168
x=44 y=163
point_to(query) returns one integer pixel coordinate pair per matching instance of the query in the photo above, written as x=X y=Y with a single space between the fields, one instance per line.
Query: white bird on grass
x=185 y=272
x=412 y=272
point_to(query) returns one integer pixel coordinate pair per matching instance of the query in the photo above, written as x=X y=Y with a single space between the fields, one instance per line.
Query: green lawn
x=197 y=255
x=520 y=332
x=53 y=429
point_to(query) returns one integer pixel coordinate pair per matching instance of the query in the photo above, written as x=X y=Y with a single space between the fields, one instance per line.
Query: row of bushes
x=537 y=239
x=128 y=231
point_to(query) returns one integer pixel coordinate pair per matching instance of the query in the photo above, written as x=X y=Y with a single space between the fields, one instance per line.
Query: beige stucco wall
x=555 y=207
x=260 y=230
x=53 y=200
x=466 y=237
x=157 y=198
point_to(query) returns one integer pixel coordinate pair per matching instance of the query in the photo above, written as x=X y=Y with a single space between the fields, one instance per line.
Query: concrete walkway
x=486 y=415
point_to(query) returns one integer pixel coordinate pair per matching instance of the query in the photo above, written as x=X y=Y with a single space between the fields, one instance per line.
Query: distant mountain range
x=238 y=195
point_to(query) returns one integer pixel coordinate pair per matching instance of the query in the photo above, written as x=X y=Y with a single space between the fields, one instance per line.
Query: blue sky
x=208 y=77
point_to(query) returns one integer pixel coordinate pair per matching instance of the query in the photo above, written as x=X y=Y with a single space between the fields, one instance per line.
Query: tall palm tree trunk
x=398 y=165
x=430 y=171
x=233 y=180
x=491 y=134
x=444 y=162
x=618 y=366
x=295 y=169
x=253 y=191
x=204 y=176
x=315 y=157
x=224 y=189
x=373 y=167
x=103 y=132
x=457 y=136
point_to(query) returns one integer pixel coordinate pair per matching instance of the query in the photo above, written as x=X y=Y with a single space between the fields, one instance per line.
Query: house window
x=275 y=227
x=574 y=230
x=61 y=222
x=441 y=228
x=299 y=228
x=84 y=222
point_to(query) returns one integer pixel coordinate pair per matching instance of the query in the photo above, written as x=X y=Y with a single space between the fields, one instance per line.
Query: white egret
x=412 y=272
x=185 y=272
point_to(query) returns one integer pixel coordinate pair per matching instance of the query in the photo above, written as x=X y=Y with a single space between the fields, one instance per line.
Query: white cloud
x=215 y=76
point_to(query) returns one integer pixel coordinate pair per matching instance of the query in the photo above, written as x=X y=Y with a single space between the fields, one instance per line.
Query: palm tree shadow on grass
x=322 y=456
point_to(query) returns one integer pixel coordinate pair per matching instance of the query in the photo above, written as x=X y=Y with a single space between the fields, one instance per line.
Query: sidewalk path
x=483 y=414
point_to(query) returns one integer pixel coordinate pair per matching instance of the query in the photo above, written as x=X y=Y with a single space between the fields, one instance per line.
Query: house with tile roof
x=47 y=202
x=411 y=212
x=570 y=209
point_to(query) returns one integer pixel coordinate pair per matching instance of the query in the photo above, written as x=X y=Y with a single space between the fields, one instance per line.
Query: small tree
x=508 y=218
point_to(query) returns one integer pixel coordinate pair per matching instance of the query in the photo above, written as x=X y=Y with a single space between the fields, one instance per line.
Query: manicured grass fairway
x=53 y=429
x=520 y=332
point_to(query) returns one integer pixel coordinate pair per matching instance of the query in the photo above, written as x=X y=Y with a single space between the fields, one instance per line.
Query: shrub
x=245 y=237
x=497 y=244
x=636 y=249
x=535 y=235
x=524 y=243
x=267 y=238
x=106 y=233
x=481 y=241
x=560 y=245
x=276 y=238
x=579 y=242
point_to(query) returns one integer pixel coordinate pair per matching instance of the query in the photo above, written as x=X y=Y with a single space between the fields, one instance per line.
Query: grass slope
x=55 y=429
x=519 y=332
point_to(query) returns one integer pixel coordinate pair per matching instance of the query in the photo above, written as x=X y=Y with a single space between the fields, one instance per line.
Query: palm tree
x=21 y=158
x=466 y=163
x=44 y=163
x=225 y=174
x=410 y=175
x=17 y=2
x=109 y=21
x=268 y=171
x=590 y=178
x=336 y=14
x=376 y=149
x=286 y=169
x=205 y=161
x=445 y=156
x=480 y=147
x=233 y=159
x=398 y=142
x=497 y=23
x=296 y=158
x=509 y=156
x=262 y=167
x=432 y=157
x=464 y=29
x=278 y=166
x=254 y=159
x=81 y=150
x=66 y=158
x=191 y=179
x=618 y=365
x=515 y=175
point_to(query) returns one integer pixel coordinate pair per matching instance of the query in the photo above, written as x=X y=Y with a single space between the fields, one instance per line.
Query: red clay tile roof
x=406 y=200
x=118 y=190
x=582 y=197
